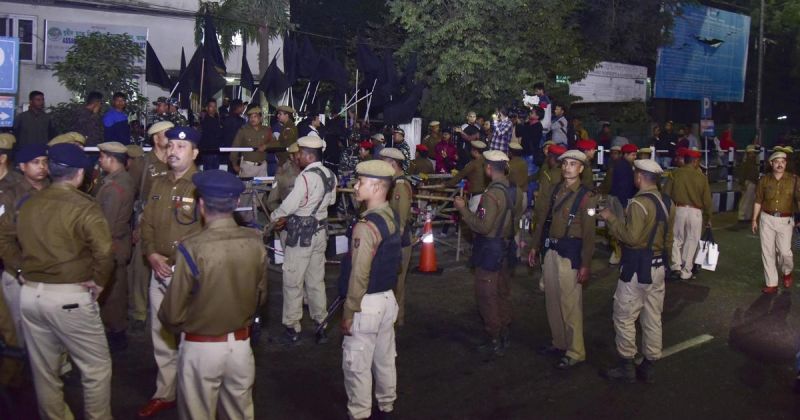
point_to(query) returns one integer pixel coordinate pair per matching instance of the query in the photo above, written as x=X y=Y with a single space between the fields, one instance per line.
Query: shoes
x=321 y=336
x=493 y=348
x=646 y=371
x=770 y=290
x=567 y=362
x=550 y=351
x=117 y=341
x=624 y=372
x=155 y=406
x=289 y=337
x=787 y=281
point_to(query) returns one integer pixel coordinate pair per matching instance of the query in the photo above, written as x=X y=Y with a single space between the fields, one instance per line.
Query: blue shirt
x=116 y=126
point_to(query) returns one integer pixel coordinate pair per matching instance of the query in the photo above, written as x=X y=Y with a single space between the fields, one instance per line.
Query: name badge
x=187 y=199
x=155 y=197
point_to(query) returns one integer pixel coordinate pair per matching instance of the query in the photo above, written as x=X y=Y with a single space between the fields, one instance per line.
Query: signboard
x=9 y=64
x=7 y=106
x=705 y=109
x=60 y=37
x=707 y=128
x=707 y=58
x=612 y=82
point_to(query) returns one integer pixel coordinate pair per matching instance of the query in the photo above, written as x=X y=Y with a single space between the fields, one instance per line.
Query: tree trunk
x=263 y=50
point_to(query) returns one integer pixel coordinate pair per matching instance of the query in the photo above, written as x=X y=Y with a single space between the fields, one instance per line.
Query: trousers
x=747 y=201
x=645 y=302
x=776 y=241
x=11 y=291
x=114 y=300
x=686 y=230
x=370 y=353
x=400 y=289
x=563 y=298
x=165 y=346
x=493 y=293
x=138 y=284
x=304 y=268
x=251 y=169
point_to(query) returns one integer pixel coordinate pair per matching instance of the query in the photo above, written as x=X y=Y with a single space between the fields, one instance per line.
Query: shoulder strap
x=510 y=194
x=189 y=261
x=662 y=215
x=327 y=185
x=379 y=223
x=573 y=210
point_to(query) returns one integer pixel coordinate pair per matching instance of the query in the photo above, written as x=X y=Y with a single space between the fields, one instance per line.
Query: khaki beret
x=71 y=137
x=648 y=165
x=134 y=150
x=293 y=148
x=785 y=149
x=495 y=156
x=777 y=155
x=254 y=110
x=7 y=141
x=574 y=155
x=391 y=152
x=645 y=150
x=616 y=148
x=433 y=123
x=286 y=108
x=515 y=146
x=478 y=144
x=310 y=142
x=159 y=127
x=752 y=148
x=378 y=137
x=375 y=169
x=112 y=147
x=548 y=143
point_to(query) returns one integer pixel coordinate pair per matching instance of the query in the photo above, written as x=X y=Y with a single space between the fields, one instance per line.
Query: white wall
x=166 y=34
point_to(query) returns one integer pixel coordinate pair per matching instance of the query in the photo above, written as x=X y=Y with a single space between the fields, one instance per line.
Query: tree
x=480 y=56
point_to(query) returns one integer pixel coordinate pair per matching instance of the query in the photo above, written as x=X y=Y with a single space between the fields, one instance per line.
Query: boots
x=624 y=372
x=493 y=348
x=646 y=371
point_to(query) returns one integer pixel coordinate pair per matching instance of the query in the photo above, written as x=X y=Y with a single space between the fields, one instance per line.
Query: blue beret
x=183 y=133
x=217 y=183
x=29 y=152
x=69 y=155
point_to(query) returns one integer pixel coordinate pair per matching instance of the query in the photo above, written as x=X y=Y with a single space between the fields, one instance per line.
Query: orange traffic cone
x=427 y=254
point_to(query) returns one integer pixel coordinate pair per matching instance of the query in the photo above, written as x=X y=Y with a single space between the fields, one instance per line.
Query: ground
x=745 y=371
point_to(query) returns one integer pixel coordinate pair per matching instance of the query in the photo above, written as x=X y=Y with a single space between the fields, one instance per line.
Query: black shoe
x=321 y=336
x=646 y=371
x=624 y=372
x=493 y=348
x=567 y=362
x=289 y=337
x=117 y=341
x=551 y=351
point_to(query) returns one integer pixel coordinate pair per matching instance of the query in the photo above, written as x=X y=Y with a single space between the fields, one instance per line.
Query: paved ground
x=745 y=371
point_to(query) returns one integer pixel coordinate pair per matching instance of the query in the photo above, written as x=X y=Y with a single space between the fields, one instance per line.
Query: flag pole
x=202 y=76
x=305 y=96
x=369 y=102
x=315 y=92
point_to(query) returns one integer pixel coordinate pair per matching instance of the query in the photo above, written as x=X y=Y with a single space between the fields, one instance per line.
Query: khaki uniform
x=138 y=268
x=252 y=164
x=777 y=199
x=692 y=196
x=169 y=216
x=400 y=201
x=65 y=240
x=563 y=293
x=286 y=138
x=420 y=165
x=115 y=196
x=284 y=183
x=475 y=173
x=547 y=179
x=431 y=140
x=748 y=179
x=518 y=176
x=218 y=297
x=633 y=299
x=10 y=322
x=587 y=176
x=370 y=350
x=304 y=267
x=605 y=185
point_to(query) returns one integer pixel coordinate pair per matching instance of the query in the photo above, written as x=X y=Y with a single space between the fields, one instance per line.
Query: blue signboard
x=705 y=109
x=7 y=106
x=9 y=64
x=707 y=58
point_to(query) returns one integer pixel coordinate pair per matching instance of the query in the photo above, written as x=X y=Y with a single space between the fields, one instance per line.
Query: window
x=24 y=28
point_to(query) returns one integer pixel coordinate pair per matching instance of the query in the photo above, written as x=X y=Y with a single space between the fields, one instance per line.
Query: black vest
x=385 y=262
x=490 y=253
x=640 y=261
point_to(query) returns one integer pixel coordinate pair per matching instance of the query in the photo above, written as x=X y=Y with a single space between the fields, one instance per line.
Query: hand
x=708 y=224
x=346 y=326
x=459 y=203
x=262 y=148
x=236 y=169
x=280 y=223
x=583 y=275
x=159 y=265
x=605 y=214
x=93 y=288
x=754 y=226
x=444 y=153
x=532 y=258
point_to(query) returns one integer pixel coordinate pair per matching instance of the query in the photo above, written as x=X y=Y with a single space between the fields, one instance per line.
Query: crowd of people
x=94 y=245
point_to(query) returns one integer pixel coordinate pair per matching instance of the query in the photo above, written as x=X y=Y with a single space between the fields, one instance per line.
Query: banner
x=60 y=37
x=612 y=82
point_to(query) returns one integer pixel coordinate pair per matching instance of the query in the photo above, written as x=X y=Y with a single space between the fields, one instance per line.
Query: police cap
x=68 y=155
x=218 y=183
x=184 y=133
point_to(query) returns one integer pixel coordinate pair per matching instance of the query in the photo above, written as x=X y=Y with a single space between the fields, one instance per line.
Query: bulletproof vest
x=566 y=247
x=490 y=253
x=385 y=261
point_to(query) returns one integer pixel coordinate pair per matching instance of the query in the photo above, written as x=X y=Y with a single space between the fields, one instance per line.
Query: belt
x=254 y=163
x=57 y=287
x=240 y=334
x=779 y=214
x=688 y=205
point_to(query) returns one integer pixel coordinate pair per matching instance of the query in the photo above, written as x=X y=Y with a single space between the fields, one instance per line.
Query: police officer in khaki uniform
x=303 y=213
x=8 y=177
x=370 y=308
x=475 y=173
x=777 y=195
x=284 y=179
x=434 y=135
x=566 y=238
x=646 y=237
x=169 y=216
x=749 y=174
x=115 y=196
x=589 y=148
x=257 y=136
x=153 y=165
x=550 y=174
x=66 y=261
x=9 y=368
x=493 y=225
x=400 y=197
x=518 y=168
x=220 y=280
x=692 y=195
x=421 y=164
x=289 y=131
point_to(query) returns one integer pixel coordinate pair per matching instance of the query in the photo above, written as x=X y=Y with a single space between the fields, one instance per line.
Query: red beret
x=422 y=148
x=556 y=150
x=629 y=148
x=365 y=144
x=692 y=153
x=681 y=152
x=587 y=144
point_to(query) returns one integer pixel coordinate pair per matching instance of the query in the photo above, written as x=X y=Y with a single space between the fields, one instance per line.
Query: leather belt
x=779 y=214
x=688 y=205
x=240 y=334
x=254 y=163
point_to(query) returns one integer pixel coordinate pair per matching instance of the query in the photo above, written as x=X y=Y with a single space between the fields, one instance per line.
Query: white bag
x=707 y=252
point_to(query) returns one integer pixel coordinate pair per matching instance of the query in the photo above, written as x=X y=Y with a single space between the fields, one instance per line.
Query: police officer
x=288 y=130
x=493 y=224
x=162 y=112
x=169 y=216
x=8 y=176
x=255 y=135
x=434 y=136
x=220 y=280
x=370 y=308
x=777 y=195
x=399 y=142
x=304 y=213
x=550 y=174
x=692 y=195
x=421 y=164
x=566 y=238
x=152 y=166
x=589 y=148
x=66 y=261
x=748 y=179
x=518 y=168
x=115 y=196
x=284 y=179
x=475 y=173
x=400 y=197
x=646 y=235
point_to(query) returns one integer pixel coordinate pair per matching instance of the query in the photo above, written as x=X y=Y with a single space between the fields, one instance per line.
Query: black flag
x=211 y=45
x=154 y=71
x=274 y=83
x=403 y=109
x=246 y=81
x=200 y=68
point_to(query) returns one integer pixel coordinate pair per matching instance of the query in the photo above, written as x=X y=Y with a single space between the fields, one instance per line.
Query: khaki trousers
x=493 y=293
x=11 y=292
x=114 y=300
x=138 y=284
x=686 y=230
x=58 y=316
x=304 y=268
x=776 y=241
x=563 y=298
x=370 y=352
x=251 y=169
x=644 y=302
x=216 y=375
x=747 y=201
x=10 y=369
x=400 y=289
x=165 y=346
